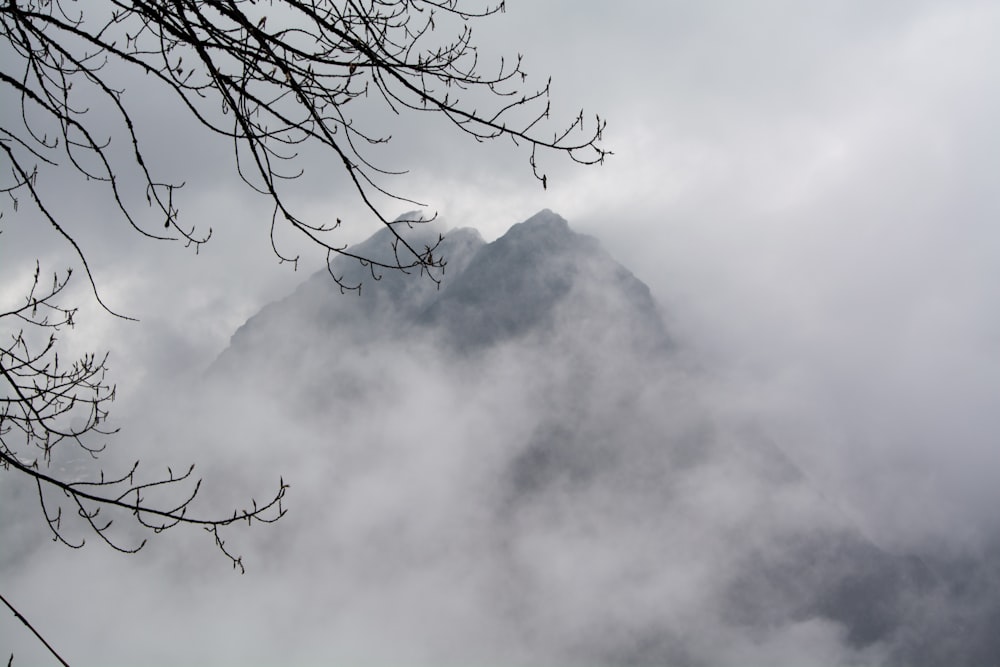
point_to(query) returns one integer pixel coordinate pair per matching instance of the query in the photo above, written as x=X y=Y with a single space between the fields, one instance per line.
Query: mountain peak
x=537 y=275
x=544 y=231
x=545 y=217
x=537 y=391
x=530 y=282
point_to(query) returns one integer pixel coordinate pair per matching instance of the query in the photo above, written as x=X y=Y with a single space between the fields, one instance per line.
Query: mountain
x=524 y=440
x=523 y=285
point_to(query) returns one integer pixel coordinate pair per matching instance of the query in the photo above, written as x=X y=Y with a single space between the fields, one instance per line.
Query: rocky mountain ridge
x=610 y=516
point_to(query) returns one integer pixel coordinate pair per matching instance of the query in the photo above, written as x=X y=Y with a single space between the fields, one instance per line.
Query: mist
x=522 y=466
x=809 y=196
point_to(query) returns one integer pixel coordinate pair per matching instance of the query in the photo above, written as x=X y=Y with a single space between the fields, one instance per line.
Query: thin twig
x=21 y=618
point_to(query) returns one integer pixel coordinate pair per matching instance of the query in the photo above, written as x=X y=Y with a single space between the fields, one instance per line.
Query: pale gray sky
x=810 y=190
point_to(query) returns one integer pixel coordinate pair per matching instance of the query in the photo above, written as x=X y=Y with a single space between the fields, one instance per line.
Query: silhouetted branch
x=47 y=407
x=274 y=79
x=37 y=634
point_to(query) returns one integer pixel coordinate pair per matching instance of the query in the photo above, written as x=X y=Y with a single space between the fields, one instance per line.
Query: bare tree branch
x=47 y=408
x=276 y=78
x=273 y=78
x=37 y=634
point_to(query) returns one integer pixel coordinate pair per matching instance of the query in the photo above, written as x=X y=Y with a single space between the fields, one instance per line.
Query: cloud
x=808 y=192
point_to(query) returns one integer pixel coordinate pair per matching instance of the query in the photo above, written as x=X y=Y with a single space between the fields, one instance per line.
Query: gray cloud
x=808 y=192
x=561 y=488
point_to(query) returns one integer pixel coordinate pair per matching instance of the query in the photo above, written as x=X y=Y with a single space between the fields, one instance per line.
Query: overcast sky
x=810 y=190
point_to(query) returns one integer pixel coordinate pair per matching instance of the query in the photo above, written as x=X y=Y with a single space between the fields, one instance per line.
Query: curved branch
x=272 y=88
x=38 y=396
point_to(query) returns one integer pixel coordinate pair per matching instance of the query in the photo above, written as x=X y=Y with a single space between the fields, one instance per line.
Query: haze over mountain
x=518 y=468
x=809 y=190
x=519 y=464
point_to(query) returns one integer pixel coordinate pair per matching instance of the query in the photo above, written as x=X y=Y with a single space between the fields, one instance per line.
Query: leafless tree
x=277 y=79
x=51 y=411
x=271 y=76
x=53 y=421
